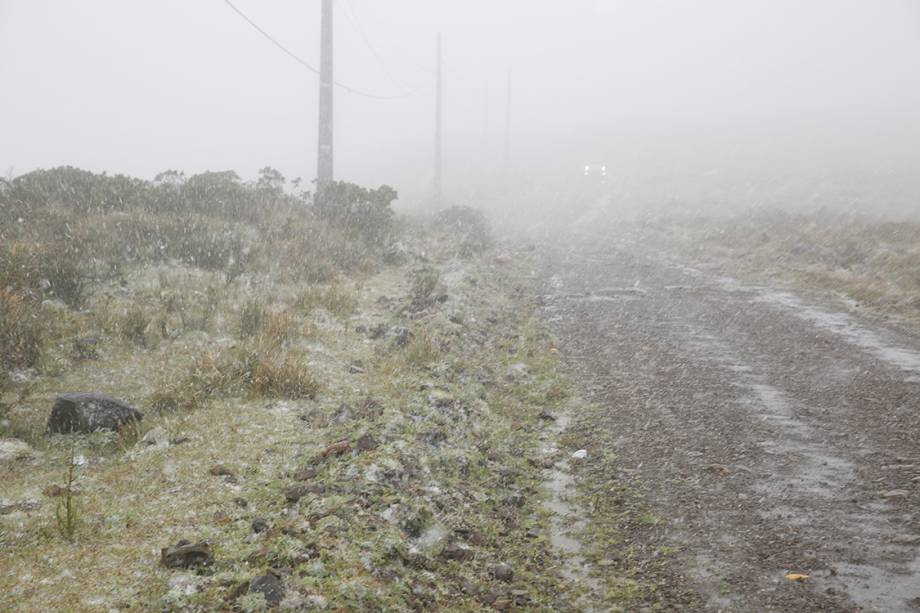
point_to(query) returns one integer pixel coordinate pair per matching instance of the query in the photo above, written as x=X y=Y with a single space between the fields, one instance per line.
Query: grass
x=872 y=262
x=250 y=369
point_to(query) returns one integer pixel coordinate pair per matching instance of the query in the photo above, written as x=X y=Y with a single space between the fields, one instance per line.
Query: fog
x=685 y=101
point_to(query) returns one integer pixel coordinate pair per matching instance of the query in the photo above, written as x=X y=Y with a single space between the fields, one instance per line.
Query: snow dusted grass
x=448 y=487
x=872 y=262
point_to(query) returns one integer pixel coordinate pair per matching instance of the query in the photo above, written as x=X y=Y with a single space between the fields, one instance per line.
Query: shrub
x=21 y=331
x=365 y=211
x=465 y=226
x=424 y=282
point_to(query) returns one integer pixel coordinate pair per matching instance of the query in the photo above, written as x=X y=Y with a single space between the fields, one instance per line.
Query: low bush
x=21 y=330
x=466 y=227
x=367 y=212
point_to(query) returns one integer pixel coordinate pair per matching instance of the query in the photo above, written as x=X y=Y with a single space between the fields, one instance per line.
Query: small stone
x=186 y=555
x=401 y=335
x=155 y=437
x=296 y=492
x=581 y=454
x=457 y=551
x=307 y=474
x=895 y=494
x=86 y=348
x=259 y=525
x=356 y=368
x=270 y=587
x=366 y=442
x=335 y=449
x=503 y=572
x=219 y=470
x=240 y=502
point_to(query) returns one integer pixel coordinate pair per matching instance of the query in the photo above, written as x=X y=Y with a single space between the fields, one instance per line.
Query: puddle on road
x=567 y=519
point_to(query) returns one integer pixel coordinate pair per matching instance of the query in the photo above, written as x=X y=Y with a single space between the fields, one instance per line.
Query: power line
x=302 y=62
x=351 y=15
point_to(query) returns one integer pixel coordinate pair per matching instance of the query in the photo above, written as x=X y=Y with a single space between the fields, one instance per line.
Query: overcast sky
x=137 y=86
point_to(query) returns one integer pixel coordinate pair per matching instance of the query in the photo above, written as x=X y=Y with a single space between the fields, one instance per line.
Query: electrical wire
x=351 y=15
x=305 y=64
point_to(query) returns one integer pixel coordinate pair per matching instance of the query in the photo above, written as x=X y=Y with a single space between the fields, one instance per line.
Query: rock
x=13 y=450
x=581 y=454
x=895 y=494
x=401 y=335
x=240 y=502
x=457 y=551
x=219 y=470
x=366 y=442
x=186 y=555
x=296 y=492
x=85 y=413
x=356 y=368
x=503 y=258
x=157 y=437
x=335 y=449
x=259 y=525
x=270 y=587
x=306 y=474
x=86 y=348
x=503 y=572
x=343 y=413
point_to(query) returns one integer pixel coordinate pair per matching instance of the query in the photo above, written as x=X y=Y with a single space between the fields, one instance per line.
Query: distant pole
x=508 y=124
x=325 y=159
x=438 y=130
x=485 y=116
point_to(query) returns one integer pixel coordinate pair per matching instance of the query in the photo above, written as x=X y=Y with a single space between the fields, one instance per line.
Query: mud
x=774 y=432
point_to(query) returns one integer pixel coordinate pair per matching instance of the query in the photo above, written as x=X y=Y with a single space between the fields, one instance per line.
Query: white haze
x=689 y=101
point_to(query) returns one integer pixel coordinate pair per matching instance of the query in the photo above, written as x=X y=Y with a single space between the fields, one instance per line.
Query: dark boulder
x=85 y=413
x=270 y=587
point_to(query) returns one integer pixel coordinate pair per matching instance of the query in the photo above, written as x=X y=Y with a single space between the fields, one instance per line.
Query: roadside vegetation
x=870 y=261
x=344 y=409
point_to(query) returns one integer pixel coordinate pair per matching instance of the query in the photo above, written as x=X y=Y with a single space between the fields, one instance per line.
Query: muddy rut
x=775 y=433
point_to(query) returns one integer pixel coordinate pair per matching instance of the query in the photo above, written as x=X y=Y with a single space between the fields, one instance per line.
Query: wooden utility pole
x=508 y=124
x=438 y=130
x=325 y=159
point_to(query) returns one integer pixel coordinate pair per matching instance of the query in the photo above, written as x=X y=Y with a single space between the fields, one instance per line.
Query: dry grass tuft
x=238 y=372
x=336 y=299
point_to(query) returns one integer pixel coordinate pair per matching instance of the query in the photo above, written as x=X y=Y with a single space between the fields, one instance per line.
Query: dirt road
x=772 y=432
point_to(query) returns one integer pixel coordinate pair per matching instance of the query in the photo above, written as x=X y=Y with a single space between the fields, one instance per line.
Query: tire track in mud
x=775 y=436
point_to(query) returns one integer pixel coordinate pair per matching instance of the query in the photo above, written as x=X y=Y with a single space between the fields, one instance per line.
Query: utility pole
x=325 y=159
x=508 y=124
x=438 y=130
